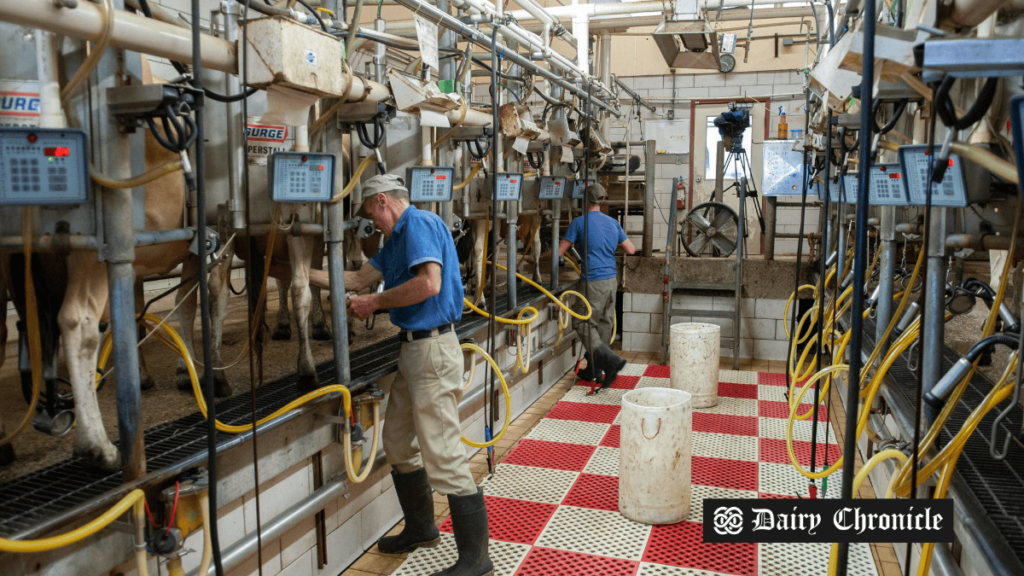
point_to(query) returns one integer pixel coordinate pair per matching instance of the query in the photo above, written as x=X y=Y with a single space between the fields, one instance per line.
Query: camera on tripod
x=734 y=122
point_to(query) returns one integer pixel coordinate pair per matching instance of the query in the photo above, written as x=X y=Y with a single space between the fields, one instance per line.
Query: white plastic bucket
x=693 y=358
x=654 y=455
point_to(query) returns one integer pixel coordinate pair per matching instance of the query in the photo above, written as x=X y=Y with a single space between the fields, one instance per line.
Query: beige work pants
x=421 y=426
x=598 y=329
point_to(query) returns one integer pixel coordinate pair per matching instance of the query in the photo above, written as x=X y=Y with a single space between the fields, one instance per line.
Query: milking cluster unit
x=262 y=133
x=914 y=151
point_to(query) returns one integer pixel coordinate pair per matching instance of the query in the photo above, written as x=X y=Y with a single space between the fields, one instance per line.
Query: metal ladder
x=672 y=287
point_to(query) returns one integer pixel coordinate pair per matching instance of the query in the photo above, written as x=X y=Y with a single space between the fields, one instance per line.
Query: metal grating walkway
x=997 y=508
x=33 y=503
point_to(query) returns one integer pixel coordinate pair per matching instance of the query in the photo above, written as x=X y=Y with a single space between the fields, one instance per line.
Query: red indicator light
x=57 y=151
x=31 y=137
x=558 y=183
x=442 y=177
x=895 y=175
x=321 y=167
x=882 y=168
x=304 y=158
x=950 y=162
x=513 y=181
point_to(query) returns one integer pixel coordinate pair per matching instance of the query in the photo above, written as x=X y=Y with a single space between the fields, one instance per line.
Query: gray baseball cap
x=379 y=184
x=596 y=194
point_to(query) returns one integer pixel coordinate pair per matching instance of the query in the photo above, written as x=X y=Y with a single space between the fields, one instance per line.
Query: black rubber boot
x=591 y=373
x=469 y=523
x=418 y=506
x=610 y=362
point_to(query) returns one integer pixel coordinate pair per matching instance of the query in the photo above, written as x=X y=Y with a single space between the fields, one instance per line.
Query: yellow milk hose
x=135 y=500
x=508 y=398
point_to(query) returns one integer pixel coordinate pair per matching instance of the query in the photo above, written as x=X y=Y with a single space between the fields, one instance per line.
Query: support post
x=933 y=328
x=649 y=171
x=769 y=228
x=236 y=124
x=886 y=274
x=445 y=155
x=114 y=156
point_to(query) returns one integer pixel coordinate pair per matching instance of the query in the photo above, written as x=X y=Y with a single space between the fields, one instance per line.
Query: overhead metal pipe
x=480 y=39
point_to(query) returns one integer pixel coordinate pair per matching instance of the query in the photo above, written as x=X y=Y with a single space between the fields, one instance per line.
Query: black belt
x=413 y=335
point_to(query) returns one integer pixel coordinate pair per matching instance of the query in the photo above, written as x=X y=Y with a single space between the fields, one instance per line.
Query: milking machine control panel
x=43 y=166
x=430 y=183
x=951 y=192
x=579 y=186
x=848 y=193
x=301 y=176
x=552 y=187
x=885 y=188
x=510 y=187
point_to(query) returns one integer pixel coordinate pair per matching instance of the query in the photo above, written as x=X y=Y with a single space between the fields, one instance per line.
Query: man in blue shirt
x=422 y=434
x=604 y=236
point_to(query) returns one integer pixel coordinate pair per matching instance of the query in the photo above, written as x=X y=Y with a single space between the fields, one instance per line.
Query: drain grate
x=998 y=513
x=38 y=501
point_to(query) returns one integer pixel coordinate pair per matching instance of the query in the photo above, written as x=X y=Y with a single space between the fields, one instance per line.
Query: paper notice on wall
x=426 y=36
x=435 y=119
x=567 y=155
x=520 y=145
x=19 y=103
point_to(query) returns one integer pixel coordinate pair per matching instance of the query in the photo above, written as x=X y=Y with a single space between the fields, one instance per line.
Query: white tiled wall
x=762 y=324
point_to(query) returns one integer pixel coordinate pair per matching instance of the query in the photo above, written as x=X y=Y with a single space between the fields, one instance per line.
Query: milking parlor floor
x=553 y=499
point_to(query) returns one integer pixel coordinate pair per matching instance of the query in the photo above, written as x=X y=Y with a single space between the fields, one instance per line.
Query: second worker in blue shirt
x=604 y=236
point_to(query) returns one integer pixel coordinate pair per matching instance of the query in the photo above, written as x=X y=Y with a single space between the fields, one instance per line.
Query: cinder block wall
x=762 y=323
x=785 y=89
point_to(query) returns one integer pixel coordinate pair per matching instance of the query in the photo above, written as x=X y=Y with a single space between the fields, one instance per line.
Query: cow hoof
x=105 y=457
x=148 y=383
x=221 y=388
x=6 y=455
x=184 y=382
x=308 y=382
x=282 y=332
x=322 y=332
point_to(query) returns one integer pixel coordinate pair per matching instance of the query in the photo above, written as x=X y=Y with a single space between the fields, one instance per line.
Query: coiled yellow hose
x=508 y=398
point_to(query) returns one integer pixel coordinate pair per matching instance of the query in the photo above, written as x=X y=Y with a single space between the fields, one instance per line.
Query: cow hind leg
x=283 y=328
x=220 y=281
x=321 y=329
x=187 y=316
x=145 y=378
x=299 y=251
x=535 y=250
x=79 y=327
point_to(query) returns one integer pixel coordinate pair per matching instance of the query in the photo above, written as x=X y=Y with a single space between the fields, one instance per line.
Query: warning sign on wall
x=19 y=103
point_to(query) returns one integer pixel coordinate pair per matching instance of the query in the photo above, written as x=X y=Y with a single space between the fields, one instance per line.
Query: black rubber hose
x=831 y=25
x=204 y=298
x=491 y=323
x=897 y=113
x=144 y=5
x=947 y=112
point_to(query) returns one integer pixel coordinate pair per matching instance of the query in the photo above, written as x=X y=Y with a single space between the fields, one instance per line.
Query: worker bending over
x=599 y=272
x=422 y=434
